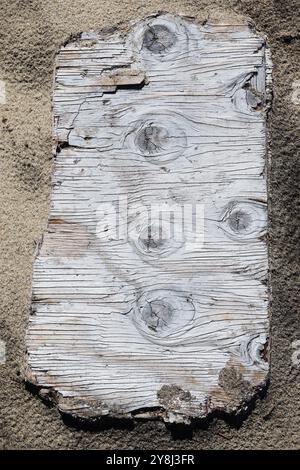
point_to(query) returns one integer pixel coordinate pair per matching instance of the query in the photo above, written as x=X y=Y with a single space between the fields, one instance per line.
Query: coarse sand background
x=30 y=33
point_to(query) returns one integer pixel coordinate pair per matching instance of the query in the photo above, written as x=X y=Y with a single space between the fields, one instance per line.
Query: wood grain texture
x=168 y=112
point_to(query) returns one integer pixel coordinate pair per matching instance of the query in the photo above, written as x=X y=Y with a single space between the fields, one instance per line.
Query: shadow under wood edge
x=177 y=430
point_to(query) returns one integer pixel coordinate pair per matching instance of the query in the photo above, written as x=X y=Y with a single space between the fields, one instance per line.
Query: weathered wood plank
x=155 y=324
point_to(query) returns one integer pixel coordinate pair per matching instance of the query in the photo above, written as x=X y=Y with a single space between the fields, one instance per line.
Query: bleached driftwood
x=153 y=326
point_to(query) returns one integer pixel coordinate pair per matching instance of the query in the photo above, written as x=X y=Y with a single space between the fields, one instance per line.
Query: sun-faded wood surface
x=153 y=326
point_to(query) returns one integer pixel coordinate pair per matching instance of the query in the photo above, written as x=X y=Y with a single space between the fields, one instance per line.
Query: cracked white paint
x=172 y=112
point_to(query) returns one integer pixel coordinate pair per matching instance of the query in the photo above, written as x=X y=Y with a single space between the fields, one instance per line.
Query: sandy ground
x=31 y=32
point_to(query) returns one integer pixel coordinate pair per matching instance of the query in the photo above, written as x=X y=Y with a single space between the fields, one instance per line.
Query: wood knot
x=157 y=314
x=164 y=316
x=151 y=240
x=254 y=351
x=239 y=220
x=244 y=220
x=152 y=139
x=158 y=139
x=154 y=240
x=158 y=39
